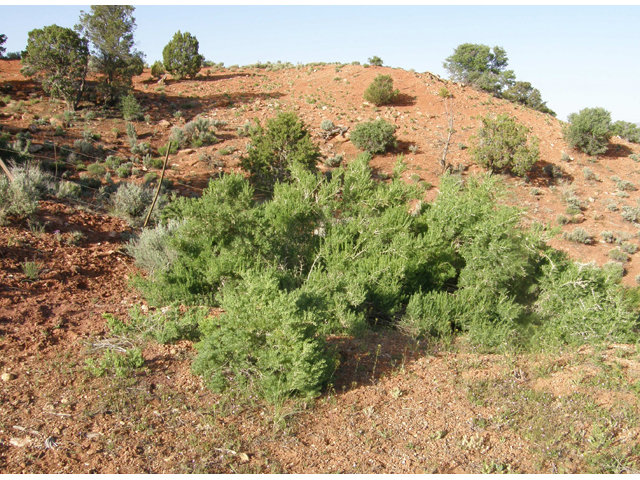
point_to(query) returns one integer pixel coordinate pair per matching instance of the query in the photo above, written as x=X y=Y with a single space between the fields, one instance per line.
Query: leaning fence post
x=164 y=167
x=6 y=170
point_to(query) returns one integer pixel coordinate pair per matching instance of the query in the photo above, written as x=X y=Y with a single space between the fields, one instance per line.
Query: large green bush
x=180 y=56
x=589 y=130
x=337 y=255
x=374 y=137
x=275 y=149
x=380 y=91
x=503 y=144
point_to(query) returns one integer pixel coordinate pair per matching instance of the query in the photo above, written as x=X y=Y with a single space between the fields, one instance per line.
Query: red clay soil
x=397 y=406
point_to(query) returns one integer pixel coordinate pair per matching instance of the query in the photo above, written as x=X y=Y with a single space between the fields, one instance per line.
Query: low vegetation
x=504 y=145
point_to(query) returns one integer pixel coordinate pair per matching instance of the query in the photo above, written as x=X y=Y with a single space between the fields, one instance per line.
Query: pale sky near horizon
x=577 y=56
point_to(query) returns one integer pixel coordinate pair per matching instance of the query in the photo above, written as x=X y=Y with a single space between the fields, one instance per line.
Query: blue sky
x=577 y=56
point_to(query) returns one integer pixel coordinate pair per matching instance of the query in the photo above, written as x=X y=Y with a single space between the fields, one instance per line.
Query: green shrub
x=96 y=169
x=68 y=190
x=630 y=248
x=130 y=108
x=374 y=137
x=375 y=61
x=116 y=363
x=327 y=125
x=277 y=352
x=626 y=130
x=380 y=91
x=336 y=255
x=131 y=202
x=608 y=236
x=588 y=174
x=19 y=198
x=582 y=303
x=275 y=149
x=124 y=170
x=157 y=69
x=618 y=255
x=589 y=130
x=180 y=56
x=151 y=248
x=502 y=144
x=198 y=133
x=631 y=214
x=578 y=235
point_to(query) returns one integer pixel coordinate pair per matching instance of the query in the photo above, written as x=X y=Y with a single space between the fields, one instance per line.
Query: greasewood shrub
x=589 y=130
x=503 y=144
x=380 y=91
x=334 y=256
x=374 y=137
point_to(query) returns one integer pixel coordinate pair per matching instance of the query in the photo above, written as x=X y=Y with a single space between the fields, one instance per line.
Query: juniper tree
x=59 y=58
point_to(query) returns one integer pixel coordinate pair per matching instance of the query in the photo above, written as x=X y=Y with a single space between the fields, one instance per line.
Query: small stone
x=164 y=123
x=20 y=441
x=6 y=377
x=173 y=351
x=35 y=148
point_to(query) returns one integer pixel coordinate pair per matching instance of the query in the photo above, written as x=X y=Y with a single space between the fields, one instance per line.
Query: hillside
x=397 y=406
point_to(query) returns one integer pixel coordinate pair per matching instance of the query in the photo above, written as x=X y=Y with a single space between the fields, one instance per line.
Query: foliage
x=589 y=130
x=130 y=108
x=115 y=363
x=109 y=29
x=477 y=65
x=374 y=137
x=524 y=94
x=327 y=125
x=19 y=198
x=180 y=55
x=276 y=351
x=59 y=58
x=503 y=144
x=157 y=69
x=626 y=130
x=337 y=255
x=380 y=91
x=3 y=39
x=131 y=202
x=582 y=303
x=152 y=250
x=198 y=132
x=578 y=235
x=375 y=61
x=275 y=149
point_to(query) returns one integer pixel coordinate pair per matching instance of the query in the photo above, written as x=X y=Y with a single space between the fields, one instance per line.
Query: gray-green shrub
x=374 y=137
x=131 y=202
x=380 y=91
x=589 y=130
x=503 y=144
x=19 y=198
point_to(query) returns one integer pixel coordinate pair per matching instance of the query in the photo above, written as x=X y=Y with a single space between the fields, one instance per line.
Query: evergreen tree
x=109 y=29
